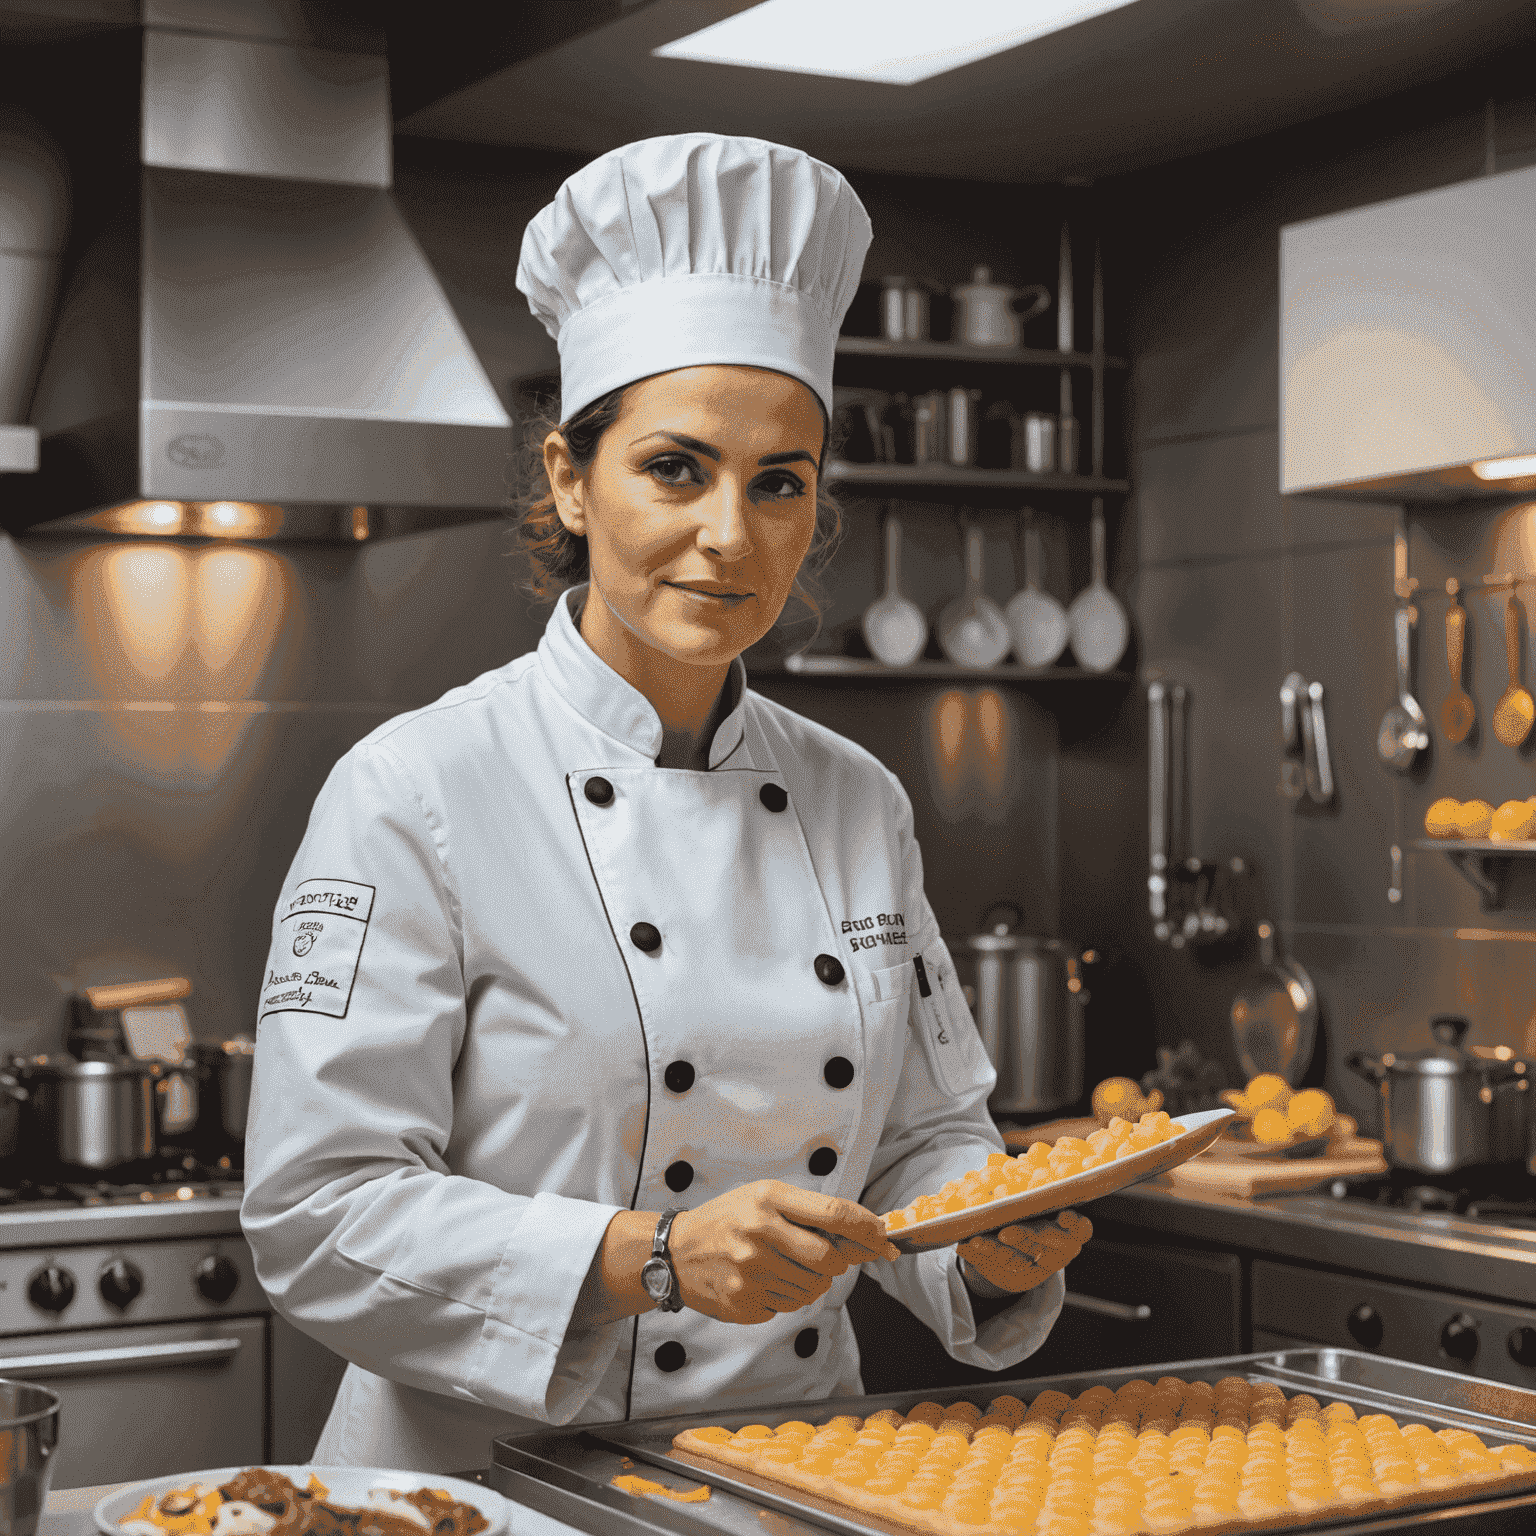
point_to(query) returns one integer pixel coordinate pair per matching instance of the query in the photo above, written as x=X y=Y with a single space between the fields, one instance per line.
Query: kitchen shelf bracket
x=1483 y=864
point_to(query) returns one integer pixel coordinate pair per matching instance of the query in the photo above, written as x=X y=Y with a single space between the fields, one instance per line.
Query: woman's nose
x=723 y=521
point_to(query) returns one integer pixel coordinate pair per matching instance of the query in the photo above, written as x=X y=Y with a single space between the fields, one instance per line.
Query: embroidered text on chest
x=876 y=929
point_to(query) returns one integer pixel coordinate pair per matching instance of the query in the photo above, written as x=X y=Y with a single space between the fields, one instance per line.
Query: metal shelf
x=951 y=477
x=834 y=668
x=962 y=352
x=1483 y=862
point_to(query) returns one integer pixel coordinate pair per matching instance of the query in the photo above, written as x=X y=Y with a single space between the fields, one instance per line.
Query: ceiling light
x=897 y=42
x=1505 y=469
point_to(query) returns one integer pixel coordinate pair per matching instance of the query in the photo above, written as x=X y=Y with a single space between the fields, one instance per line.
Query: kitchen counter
x=1423 y=1248
x=50 y=1226
x=67 y=1512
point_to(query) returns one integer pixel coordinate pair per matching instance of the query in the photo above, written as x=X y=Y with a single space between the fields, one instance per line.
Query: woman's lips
x=727 y=599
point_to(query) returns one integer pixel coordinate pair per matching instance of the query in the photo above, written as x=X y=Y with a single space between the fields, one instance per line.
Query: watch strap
x=672 y=1301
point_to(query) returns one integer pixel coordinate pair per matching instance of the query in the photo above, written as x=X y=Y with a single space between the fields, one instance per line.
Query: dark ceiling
x=1151 y=82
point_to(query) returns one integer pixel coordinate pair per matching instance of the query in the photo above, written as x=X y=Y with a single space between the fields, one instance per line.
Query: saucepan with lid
x=1445 y=1107
x=226 y=1095
x=83 y=1118
x=1029 y=1014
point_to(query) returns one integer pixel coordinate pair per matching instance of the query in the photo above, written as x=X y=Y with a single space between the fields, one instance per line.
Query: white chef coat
x=462 y=1054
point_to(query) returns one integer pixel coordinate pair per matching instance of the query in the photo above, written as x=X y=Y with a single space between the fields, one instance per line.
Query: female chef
x=604 y=1006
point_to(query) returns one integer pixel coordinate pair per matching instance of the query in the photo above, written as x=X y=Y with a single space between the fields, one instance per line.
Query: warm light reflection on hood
x=178 y=638
x=200 y=519
x=970 y=752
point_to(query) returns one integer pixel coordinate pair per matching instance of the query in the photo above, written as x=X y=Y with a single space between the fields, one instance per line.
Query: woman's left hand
x=1024 y=1255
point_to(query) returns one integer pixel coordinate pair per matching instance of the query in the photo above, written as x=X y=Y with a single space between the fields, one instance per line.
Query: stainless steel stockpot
x=85 y=1117
x=1029 y=1013
x=29 y=1435
x=1446 y=1108
x=226 y=1093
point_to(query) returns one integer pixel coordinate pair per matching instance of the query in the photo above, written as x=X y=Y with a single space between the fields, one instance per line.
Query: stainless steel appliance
x=1341 y=363
x=1445 y=1108
x=260 y=210
x=29 y=1436
x=84 y=1118
x=1436 y=1270
x=567 y=1474
x=1029 y=1012
x=140 y=1307
x=989 y=314
x=903 y=309
x=964 y=417
x=157 y=1326
x=226 y=1097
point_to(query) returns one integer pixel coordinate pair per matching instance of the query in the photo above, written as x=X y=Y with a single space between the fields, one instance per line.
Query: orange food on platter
x=1043 y=1163
x=1159 y=1457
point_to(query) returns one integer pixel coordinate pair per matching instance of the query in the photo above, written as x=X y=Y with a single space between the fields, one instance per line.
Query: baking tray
x=566 y=1474
x=1203 y=1127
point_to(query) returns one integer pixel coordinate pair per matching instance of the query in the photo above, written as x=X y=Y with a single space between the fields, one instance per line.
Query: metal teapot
x=987 y=313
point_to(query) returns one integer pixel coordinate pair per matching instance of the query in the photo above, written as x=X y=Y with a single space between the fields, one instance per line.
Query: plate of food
x=304 y=1501
x=1051 y=1177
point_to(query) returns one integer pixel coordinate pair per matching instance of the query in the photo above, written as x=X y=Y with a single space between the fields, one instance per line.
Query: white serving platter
x=347 y=1485
x=1201 y=1129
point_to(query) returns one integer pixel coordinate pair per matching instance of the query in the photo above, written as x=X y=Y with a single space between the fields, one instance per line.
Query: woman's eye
x=779 y=486
x=674 y=469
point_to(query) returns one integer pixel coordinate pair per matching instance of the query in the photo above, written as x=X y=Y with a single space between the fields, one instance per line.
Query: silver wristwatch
x=657 y=1274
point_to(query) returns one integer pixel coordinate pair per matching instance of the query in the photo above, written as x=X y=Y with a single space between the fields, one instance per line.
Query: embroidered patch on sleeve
x=319 y=943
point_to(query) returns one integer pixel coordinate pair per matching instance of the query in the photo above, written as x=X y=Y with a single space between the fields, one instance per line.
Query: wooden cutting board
x=1355 y=1158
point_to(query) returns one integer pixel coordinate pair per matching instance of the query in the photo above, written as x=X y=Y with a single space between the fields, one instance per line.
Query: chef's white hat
x=692 y=249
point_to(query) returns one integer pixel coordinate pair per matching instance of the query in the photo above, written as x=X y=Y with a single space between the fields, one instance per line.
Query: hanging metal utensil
x=1515 y=711
x=894 y=627
x=1157 y=810
x=1458 y=714
x=1096 y=621
x=972 y=629
x=1037 y=622
x=1274 y=1019
x=1404 y=731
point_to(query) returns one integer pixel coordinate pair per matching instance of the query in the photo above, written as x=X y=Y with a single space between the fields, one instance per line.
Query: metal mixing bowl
x=29 y=1431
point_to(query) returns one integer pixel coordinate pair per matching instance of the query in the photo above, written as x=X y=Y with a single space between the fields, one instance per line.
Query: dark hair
x=557 y=558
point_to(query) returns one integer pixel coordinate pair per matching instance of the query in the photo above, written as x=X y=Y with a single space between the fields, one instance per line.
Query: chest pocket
x=951 y=1043
x=884 y=995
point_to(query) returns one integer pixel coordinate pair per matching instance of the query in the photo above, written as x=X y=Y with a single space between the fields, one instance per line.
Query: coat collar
x=617 y=708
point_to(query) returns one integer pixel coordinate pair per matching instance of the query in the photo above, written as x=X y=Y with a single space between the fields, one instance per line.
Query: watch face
x=657 y=1279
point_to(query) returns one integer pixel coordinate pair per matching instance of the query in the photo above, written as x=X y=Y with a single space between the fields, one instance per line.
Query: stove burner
x=182 y=1180
x=1494 y=1194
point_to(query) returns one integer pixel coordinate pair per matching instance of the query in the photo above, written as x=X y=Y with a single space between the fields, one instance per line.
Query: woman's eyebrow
x=787 y=458
x=683 y=442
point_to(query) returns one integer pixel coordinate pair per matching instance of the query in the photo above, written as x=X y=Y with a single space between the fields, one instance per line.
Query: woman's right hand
x=769 y=1247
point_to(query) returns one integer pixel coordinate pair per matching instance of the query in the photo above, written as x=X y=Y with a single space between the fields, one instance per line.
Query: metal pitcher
x=1029 y=1013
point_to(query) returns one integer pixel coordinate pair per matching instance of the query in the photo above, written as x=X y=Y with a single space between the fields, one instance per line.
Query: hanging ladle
x=1404 y=730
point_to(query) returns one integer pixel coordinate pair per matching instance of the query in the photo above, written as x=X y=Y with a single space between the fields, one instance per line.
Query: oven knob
x=1522 y=1346
x=51 y=1289
x=1366 y=1327
x=121 y=1283
x=1459 y=1337
x=216 y=1278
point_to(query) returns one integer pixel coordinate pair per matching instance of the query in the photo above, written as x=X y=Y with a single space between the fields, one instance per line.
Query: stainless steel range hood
x=1408 y=346
x=256 y=344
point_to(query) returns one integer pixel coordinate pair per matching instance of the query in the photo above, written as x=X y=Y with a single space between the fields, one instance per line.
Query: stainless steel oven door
x=141 y=1402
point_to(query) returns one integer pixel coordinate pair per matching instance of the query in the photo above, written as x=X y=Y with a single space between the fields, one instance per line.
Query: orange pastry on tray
x=1043 y=1163
x=1159 y=1457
